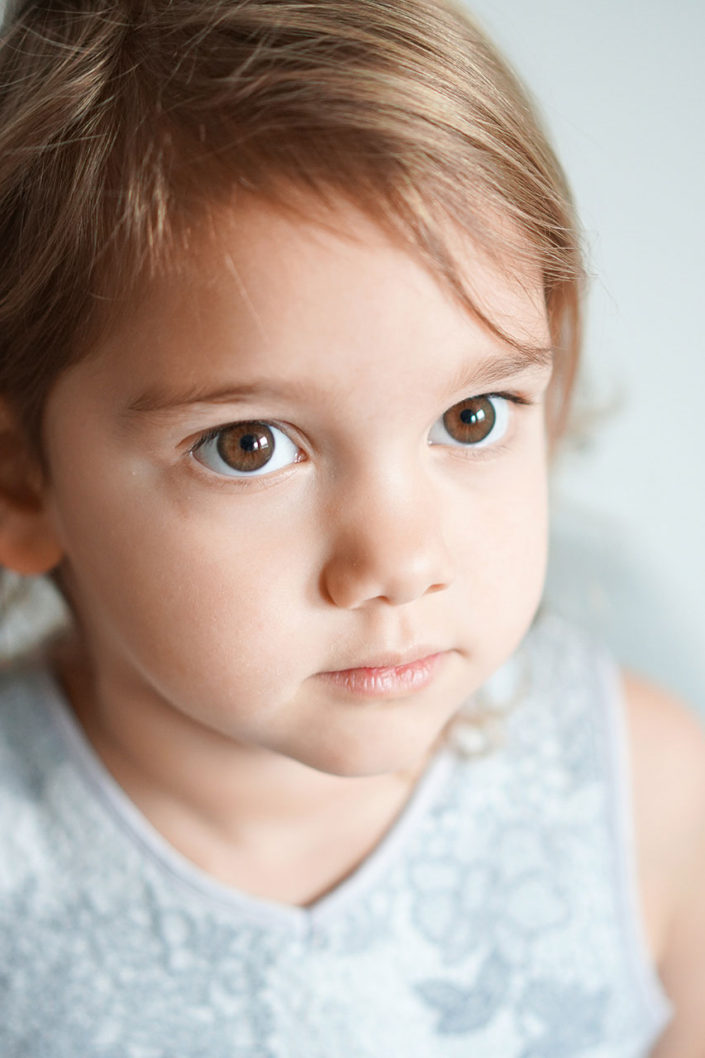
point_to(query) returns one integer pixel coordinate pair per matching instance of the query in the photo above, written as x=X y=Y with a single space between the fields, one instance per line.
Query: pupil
x=471 y=417
x=249 y=443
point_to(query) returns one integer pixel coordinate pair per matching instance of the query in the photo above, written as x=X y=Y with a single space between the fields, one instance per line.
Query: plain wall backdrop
x=621 y=86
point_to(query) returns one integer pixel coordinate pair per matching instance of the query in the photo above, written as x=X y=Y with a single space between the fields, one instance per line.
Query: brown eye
x=245 y=448
x=475 y=422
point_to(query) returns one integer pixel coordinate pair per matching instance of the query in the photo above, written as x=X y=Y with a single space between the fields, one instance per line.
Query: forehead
x=321 y=248
x=321 y=291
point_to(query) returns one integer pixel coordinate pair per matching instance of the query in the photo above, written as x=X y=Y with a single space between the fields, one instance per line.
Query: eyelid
x=515 y=398
x=212 y=432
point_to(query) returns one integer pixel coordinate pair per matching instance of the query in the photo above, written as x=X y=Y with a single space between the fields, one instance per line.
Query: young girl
x=289 y=306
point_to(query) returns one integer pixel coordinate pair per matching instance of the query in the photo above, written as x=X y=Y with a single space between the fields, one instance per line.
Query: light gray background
x=621 y=85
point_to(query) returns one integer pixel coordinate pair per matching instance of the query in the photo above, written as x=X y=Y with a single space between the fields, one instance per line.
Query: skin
x=208 y=606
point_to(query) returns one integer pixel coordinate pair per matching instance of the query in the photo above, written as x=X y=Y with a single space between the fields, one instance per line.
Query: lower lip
x=390 y=682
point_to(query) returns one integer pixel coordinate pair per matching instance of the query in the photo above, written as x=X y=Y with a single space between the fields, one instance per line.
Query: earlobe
x=28 y=543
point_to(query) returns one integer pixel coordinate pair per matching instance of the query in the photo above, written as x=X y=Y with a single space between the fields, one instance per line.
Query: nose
x=387 y=545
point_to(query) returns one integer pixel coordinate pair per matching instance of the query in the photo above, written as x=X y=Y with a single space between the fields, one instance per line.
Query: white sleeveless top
x=498 y=918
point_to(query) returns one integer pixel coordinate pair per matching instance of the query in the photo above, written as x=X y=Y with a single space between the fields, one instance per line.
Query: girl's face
x=272 y=473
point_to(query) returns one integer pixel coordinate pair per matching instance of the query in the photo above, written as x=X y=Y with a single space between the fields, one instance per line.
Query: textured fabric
x=497 y=918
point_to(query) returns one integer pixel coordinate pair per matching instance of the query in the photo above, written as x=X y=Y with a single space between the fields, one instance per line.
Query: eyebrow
x=487 y=372
x=493 y=369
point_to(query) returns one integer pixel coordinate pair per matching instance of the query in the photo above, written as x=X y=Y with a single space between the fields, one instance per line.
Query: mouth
x=389 y=676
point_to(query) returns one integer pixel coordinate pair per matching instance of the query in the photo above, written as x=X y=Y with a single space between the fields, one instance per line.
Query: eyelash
x=213 y=433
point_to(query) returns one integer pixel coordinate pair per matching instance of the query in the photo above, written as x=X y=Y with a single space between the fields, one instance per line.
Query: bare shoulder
x=667 y=748
x=667 y=741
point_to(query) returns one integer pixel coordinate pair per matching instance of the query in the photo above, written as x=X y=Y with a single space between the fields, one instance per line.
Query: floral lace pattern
x=490 y=922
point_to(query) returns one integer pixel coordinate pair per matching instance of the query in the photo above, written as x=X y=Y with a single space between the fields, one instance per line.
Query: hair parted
x=123 y=121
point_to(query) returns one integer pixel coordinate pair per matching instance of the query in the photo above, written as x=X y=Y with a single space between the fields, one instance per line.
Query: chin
x=360 y=758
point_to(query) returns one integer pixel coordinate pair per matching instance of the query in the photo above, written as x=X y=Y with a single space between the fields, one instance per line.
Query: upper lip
x=392 y=659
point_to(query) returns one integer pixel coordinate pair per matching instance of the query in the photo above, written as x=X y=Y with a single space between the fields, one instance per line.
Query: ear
x=28 y=543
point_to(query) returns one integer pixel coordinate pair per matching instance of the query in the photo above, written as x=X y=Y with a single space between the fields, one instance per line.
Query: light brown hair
x=122 y=121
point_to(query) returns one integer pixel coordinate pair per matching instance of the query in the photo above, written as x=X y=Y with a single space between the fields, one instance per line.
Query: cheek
x=171 y=579
x=502 y=547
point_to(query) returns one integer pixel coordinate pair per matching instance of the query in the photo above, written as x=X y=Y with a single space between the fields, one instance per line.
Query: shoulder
x=667 y=751
x=667 y=741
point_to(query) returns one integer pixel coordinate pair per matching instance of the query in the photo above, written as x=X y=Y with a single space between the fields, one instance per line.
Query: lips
x=389 y=675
